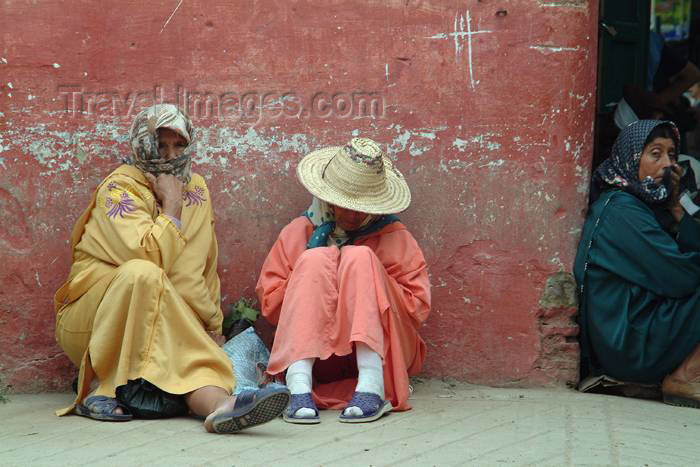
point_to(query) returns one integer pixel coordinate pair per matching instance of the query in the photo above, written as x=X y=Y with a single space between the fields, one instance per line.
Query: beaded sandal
x=372 y=406
x=301 y=401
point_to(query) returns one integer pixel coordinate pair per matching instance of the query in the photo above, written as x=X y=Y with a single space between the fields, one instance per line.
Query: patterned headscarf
x=144 y=141
x=621 y=169
x=326 y=233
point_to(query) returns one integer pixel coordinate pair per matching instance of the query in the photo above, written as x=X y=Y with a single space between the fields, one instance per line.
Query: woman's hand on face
x=676 y=173
x=168 y=190
x=674 y=201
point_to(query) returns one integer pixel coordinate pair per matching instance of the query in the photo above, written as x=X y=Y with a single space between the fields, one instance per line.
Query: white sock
x=299 y=382
x=370 y=376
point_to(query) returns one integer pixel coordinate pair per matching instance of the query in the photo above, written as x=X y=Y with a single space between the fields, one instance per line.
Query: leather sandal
x=251 y=408
x=102 y=408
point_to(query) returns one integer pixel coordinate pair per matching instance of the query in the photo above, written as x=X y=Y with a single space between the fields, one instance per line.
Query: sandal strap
x=249 y=396
x=244 y=398
x=104 y=405
x=302 y=401
x=368 y=402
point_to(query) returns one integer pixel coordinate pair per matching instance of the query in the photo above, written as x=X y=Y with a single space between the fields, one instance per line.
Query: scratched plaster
x=501 y=168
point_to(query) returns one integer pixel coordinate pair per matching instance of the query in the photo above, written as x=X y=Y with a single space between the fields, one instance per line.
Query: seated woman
x=142 y=300
x=639 y=285
x=347 y=278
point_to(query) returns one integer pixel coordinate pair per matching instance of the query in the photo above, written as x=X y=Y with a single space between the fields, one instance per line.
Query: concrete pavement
x=451 y=424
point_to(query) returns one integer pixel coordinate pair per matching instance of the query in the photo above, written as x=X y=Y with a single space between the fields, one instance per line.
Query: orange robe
x=375 y=291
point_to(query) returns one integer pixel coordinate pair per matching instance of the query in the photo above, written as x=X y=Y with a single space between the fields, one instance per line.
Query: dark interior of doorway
x=623 y=55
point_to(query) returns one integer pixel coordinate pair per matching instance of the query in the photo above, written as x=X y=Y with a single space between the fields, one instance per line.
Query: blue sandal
x=102 y=408
x=251 y=408
x=301 y=401
x=372 y=406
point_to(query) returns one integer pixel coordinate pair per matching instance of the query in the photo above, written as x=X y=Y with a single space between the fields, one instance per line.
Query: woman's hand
x=168 y=190
x=218 y=338
x=674 y=204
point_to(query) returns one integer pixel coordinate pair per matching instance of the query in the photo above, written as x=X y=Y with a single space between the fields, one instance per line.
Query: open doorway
x=648 y=57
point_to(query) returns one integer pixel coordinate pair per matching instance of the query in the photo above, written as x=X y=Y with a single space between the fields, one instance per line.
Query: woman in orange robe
x=347 y=287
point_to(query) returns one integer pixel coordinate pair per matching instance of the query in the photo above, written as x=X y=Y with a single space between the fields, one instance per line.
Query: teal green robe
x=639 y=307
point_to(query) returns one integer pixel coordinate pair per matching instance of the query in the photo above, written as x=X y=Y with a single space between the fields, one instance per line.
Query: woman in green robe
x=638 y=283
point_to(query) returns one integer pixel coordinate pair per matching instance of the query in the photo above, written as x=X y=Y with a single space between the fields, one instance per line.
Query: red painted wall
x=487 y=108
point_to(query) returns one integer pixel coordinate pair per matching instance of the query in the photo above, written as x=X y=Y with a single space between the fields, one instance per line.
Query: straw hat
x=357 y=176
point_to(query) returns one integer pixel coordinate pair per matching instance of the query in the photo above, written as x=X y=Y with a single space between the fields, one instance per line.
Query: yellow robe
x=141 y=294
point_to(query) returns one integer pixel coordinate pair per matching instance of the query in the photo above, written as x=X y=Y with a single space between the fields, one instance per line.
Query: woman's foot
x=682 y=387
x=103 y=408
x=248 y=409
x=364 y=407
x=302 y=409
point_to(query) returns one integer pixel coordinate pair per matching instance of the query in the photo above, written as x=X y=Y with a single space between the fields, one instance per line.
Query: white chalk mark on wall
x=458 y=35
x=458 y=43
x=171 y=16
x=554 y=48
x=469 y=42
x=564 y=4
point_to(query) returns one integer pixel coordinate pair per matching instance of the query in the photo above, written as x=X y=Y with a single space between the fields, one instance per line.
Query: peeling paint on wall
x=498 y=182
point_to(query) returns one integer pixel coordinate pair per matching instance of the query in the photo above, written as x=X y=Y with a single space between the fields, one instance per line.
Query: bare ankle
x=207 y=399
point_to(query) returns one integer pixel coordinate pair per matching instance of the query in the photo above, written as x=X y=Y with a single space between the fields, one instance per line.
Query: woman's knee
x=139 y=271
x=314 y=257
x=354 y=254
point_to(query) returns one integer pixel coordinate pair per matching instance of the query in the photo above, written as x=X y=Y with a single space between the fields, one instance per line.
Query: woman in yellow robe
x=142 y=299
